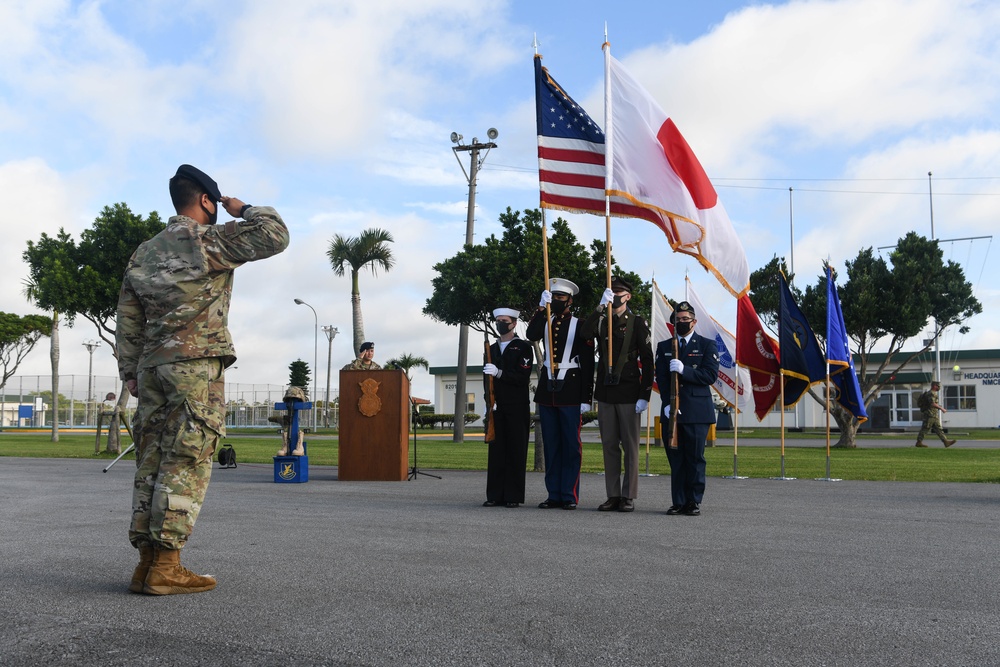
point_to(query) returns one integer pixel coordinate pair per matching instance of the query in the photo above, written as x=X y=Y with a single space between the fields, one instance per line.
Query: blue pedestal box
x=291 y=469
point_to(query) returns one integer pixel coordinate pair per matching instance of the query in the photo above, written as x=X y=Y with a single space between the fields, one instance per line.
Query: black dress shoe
x=490 y=503
x=550 y=504
x=674 y=509
x=609 y=505
x=691 y=509
x=626 y=505
x=569 y=506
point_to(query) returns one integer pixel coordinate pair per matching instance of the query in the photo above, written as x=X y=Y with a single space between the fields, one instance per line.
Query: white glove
x=607 y=297
x=584 y=407
x=666 y=411
x=490 y=369
x=546 y=299
x=676 y=366
x=641 y=405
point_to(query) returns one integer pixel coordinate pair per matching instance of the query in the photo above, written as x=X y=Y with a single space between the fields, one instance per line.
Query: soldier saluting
x=173 y=348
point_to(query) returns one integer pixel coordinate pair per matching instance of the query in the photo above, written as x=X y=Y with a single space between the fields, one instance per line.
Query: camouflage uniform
x=932 y=419
x=173 y=339
x=361 y=365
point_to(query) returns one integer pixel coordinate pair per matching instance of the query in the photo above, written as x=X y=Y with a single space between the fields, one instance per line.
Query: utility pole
x=458 y=433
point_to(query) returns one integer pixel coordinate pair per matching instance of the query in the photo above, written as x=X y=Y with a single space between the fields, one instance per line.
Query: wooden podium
x=374 y=426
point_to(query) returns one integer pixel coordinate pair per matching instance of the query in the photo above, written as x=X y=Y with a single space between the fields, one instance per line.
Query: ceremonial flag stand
x=782 y=477
x=649 y=412
x=828 y=478
x=736 y=433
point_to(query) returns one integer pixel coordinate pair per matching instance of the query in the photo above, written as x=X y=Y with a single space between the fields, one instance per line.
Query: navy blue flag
x=838 y=355
x=802 y=360
x=570 y=149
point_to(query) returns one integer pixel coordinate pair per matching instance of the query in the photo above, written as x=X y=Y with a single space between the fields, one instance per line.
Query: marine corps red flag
x=757 y=351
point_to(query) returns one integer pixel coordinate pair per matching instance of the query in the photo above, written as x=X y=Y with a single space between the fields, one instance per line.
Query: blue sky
x=338 y=114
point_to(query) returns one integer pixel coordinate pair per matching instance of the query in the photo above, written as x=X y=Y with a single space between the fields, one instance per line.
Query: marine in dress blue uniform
x=562 y=399
x=697 y=363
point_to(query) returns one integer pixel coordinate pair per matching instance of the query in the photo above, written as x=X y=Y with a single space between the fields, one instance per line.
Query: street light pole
x=331 y=333
x=458 y=432
x=315 y=355
x=91 y=345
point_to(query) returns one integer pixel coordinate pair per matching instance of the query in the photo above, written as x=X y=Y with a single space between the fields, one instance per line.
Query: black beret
x=206 y=182
x=367 y=345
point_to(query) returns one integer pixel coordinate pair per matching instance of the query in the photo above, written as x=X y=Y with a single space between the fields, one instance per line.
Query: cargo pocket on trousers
x=203 y=429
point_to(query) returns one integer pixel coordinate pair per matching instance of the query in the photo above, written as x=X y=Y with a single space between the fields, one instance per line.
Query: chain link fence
x=26 y=401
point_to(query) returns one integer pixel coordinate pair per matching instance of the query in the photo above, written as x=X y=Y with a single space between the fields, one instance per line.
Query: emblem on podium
x=369 y=404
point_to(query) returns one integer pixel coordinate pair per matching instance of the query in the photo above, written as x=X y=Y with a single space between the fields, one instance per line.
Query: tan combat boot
x=142 y=569
x=168 y=577
x=299 y=451
x=920 y=444
x=949 y=443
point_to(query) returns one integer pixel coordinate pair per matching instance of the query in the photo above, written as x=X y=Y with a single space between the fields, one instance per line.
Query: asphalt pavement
x=773 y=572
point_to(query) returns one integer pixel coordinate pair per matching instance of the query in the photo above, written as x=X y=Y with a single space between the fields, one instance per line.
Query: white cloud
x=329 y=78
x=828 y=72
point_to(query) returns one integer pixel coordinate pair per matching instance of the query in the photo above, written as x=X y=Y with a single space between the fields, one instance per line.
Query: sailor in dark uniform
x=508 y=369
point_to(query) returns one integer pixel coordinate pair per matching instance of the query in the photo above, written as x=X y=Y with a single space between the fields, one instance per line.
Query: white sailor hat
x=509 y=312
x=564 y=286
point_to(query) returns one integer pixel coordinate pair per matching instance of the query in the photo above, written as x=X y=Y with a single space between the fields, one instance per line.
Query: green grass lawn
x=934 y=464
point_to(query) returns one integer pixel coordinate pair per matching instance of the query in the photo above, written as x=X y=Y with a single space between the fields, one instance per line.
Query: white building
x=970 y=390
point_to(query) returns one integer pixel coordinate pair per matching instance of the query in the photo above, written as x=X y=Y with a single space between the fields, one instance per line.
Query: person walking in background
x=509 y=370
x=930 y=410
x=173 y=349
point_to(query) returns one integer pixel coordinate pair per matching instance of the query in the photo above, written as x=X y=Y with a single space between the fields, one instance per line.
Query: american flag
x=571 y=167
x=570 y=149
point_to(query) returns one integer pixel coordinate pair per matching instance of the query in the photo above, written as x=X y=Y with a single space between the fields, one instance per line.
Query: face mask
x=504 y=327
x=559 y=307
x=617 y=301
x=683 y=328
x=213 y=216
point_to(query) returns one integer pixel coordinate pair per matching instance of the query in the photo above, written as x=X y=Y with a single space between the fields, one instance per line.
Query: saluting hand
x=232 y=205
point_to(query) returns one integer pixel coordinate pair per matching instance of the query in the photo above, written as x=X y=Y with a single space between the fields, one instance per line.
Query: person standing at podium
x=364 y=361
x=507 y=371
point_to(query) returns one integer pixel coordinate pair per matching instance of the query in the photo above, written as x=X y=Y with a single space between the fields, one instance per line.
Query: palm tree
x=368 y=249
x=405 y=362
